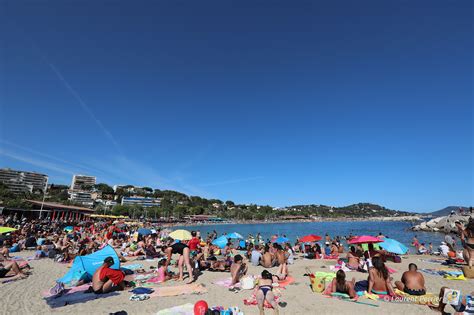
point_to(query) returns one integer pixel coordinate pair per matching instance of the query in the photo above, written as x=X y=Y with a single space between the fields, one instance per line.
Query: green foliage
x=104 y=188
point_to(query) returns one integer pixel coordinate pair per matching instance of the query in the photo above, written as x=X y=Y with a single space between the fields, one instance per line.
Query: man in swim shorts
x=412 y=281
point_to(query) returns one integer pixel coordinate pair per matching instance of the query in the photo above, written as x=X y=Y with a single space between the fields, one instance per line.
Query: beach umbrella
x=393 y=246
x=144 y=231
x=6 y=229
x=281 y=240
x=68 y=228
x=310 y=238
x=220 y=241
x=182 y=235
x=234 y=235
x=364 y=239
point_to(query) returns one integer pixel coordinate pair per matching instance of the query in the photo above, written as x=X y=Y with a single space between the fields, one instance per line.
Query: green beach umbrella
x=6 y=229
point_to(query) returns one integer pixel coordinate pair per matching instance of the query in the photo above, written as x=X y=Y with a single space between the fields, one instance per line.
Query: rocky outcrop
x=442 y=224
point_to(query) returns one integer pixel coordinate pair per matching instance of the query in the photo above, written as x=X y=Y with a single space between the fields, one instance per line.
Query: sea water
x=398 y=230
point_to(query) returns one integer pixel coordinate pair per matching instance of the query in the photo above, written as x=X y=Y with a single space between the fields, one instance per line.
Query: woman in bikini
x=340 y=285
x=467 y=239
x=265 y=293
x=353 y=261
x=379 y=279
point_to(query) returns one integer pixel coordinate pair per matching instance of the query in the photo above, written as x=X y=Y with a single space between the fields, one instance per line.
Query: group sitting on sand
x=63 y=241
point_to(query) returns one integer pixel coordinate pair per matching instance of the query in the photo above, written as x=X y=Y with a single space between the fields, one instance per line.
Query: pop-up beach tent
x=84 y=267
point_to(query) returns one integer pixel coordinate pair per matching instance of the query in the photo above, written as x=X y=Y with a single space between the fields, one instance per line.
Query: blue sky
x=276 y=103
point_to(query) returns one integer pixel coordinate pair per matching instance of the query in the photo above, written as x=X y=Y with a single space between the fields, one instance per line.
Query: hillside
x=447 y=211
x=354 y=210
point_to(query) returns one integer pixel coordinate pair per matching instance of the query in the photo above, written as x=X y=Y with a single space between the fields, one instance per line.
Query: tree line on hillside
x=178 y=205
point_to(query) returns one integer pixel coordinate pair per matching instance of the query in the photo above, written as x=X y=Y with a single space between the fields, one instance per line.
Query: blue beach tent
x=84 y=267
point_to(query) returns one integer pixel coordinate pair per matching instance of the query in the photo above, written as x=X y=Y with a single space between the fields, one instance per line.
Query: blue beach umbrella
x=393 y=246
x=144 y=231
x=281 y=240
x=221 y=241
x=234 y=235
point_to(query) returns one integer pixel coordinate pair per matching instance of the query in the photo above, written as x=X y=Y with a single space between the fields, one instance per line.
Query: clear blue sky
x=267 y=102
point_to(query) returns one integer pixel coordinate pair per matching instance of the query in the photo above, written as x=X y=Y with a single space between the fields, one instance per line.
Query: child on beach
x=162 y=275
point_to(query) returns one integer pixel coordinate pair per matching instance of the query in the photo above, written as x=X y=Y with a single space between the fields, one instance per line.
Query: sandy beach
x=25 y=296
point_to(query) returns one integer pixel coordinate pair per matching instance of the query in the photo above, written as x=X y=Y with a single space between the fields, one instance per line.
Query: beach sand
x=24 y=296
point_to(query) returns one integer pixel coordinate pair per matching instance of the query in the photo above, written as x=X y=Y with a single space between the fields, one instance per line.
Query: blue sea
x=398 y=230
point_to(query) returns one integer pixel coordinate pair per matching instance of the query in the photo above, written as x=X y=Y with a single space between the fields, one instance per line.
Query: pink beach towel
x=226 y=283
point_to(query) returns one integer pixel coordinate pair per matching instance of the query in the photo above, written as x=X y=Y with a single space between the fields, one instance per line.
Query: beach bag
x=318 y=284
x=57 y=290
x=397 y=259
x=468 y=272
x=248 y=283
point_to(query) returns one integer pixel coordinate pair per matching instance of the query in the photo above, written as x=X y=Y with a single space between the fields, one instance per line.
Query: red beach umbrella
x=310 y=238
x=364 y=239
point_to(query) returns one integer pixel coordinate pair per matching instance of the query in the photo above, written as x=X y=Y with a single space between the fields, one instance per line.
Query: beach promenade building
x=82 y=182
x=141 y=201
x=23 y=181
x=81 y=190
x=81 y=197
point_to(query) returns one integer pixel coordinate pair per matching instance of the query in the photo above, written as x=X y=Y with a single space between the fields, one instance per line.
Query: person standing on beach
x=184 y=259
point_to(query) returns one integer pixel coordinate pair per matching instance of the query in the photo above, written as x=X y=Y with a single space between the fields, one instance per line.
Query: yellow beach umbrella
x=5 y=229
x=181 y=235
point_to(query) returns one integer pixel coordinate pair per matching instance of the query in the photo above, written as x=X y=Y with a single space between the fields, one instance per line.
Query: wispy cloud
x=77 y=166
x=232 y=181
x=36 y=162
x=84 y=106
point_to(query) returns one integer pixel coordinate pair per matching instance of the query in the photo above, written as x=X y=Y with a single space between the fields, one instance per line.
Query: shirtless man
x=412 y=282
x=106 y=279
x=282 y=259
x=267 y=258
x=280 y=255
x=237 y=270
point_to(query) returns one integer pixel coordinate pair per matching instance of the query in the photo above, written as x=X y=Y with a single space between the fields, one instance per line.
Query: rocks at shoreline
x=445 y=224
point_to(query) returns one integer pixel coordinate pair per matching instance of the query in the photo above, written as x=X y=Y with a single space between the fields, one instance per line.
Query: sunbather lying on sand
x=340 y=285
x=265 y=293
x=11 y=270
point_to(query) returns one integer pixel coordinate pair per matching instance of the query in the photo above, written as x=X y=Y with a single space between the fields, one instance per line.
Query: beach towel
x=133 y=267
x=193 y=288
x=252 y=300
x=72 y=296
x=71 y=290
x=283 y=283
x=432 y=272
x=226 y=283
x=144 y=276
x=432 y=261
x=185 y=309
x=141 y=290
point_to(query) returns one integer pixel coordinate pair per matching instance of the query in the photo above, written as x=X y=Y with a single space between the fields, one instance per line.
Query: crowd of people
x=63 y=241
